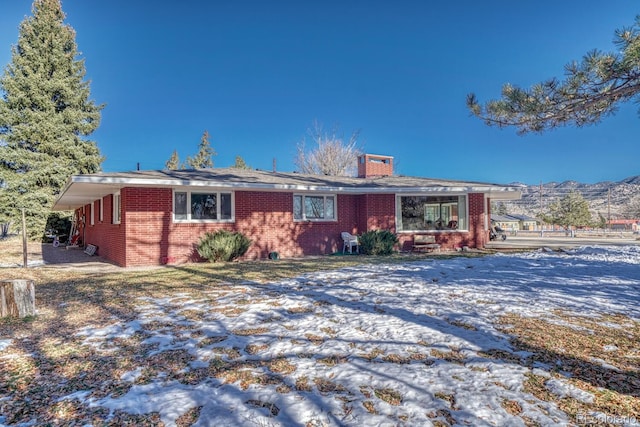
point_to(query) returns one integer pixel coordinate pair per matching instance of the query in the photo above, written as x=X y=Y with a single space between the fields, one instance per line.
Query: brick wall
x=108 y=237
x=376 y=212
x=266 y=218
x=477 y=231
x=147 y=234
x=147 y=216
x=371 y=165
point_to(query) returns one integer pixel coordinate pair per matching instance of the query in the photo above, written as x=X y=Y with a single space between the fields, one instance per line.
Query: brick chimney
x=373 y=165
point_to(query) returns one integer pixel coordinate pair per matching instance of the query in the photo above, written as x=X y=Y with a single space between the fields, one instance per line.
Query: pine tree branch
x=593 y=89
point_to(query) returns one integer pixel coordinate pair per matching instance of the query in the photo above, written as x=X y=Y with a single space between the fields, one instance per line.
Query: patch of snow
x=5 y=343
x=173 y=399
x=131 y=376
x=613 y=325
x=541 y=372
x=96 y=337
x=564 y=389
x=604 y=364
x=80 y=395
x=27 y=424
x=426 y=330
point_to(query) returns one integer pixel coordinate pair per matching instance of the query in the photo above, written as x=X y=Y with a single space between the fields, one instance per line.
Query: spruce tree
x=174 y=161
x=204 y=158
x=240 y=163
x=45 y=117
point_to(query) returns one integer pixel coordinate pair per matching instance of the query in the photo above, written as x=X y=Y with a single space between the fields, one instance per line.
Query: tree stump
x=17 y=298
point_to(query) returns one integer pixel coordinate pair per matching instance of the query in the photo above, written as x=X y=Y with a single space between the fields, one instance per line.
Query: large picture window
x=314 y=207
x=426 y=213
x=202 y=206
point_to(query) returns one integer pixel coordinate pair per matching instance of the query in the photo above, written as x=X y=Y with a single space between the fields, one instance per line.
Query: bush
x=223 y=245
x=377 y=242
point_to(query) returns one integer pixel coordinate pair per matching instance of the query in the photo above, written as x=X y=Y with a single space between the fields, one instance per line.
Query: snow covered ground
x=370 y=345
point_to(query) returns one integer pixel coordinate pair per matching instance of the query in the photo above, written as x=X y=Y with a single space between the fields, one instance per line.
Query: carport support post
x=24 y=240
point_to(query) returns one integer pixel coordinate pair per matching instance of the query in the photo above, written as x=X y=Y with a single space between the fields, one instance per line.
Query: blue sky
x=257 y=74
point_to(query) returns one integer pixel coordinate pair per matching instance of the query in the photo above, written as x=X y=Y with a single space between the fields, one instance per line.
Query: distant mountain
x=604 y=197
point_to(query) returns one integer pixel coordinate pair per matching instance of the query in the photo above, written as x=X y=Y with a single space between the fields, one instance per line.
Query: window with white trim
x=203 y=206
x=307 y=207
x=116 y=208
x=432 y=213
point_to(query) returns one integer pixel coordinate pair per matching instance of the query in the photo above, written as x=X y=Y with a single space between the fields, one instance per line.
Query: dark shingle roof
x=250 y=176
x=81 y=188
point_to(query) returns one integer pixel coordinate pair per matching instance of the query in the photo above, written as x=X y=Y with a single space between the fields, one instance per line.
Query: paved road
x=534 y=242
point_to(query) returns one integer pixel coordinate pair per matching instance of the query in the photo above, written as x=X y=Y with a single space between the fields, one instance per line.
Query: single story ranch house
x=157 y=217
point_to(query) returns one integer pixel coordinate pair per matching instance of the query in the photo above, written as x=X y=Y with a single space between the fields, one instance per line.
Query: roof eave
x=103 y=185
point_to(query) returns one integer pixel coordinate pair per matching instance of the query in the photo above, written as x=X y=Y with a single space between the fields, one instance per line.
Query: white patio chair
x=349 y=241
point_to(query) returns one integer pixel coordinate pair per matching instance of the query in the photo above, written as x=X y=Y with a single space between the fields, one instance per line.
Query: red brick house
x=156 y=217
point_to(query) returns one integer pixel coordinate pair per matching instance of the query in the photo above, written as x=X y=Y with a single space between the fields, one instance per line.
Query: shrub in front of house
x=377 y=242
x=222 y=245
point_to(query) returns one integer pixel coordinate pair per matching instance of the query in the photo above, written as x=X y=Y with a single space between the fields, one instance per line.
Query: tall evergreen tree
x=204 y=158
x=240 y=163
x=174 y=161
x=45 y=117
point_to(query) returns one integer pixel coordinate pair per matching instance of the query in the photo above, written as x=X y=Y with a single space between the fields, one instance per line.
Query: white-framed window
x=432 y=213
x=117 y=209
x=203 y=206
x=314 y=207
x=101 y=210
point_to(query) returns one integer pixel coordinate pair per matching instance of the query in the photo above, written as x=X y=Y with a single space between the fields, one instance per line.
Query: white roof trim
x=92 y=187
x=117 y=182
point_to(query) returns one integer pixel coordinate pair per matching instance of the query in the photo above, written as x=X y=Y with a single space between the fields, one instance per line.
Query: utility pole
x=609 y=208
x=540 y=198
x=541 y=225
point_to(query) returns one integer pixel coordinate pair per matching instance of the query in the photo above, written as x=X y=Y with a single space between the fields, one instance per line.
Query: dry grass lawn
x=52 y=360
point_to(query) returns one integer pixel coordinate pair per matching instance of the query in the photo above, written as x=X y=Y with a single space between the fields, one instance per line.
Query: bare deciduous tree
x=331 y=153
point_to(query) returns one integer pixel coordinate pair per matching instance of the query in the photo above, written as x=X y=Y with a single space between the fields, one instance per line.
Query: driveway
x=46 y=256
